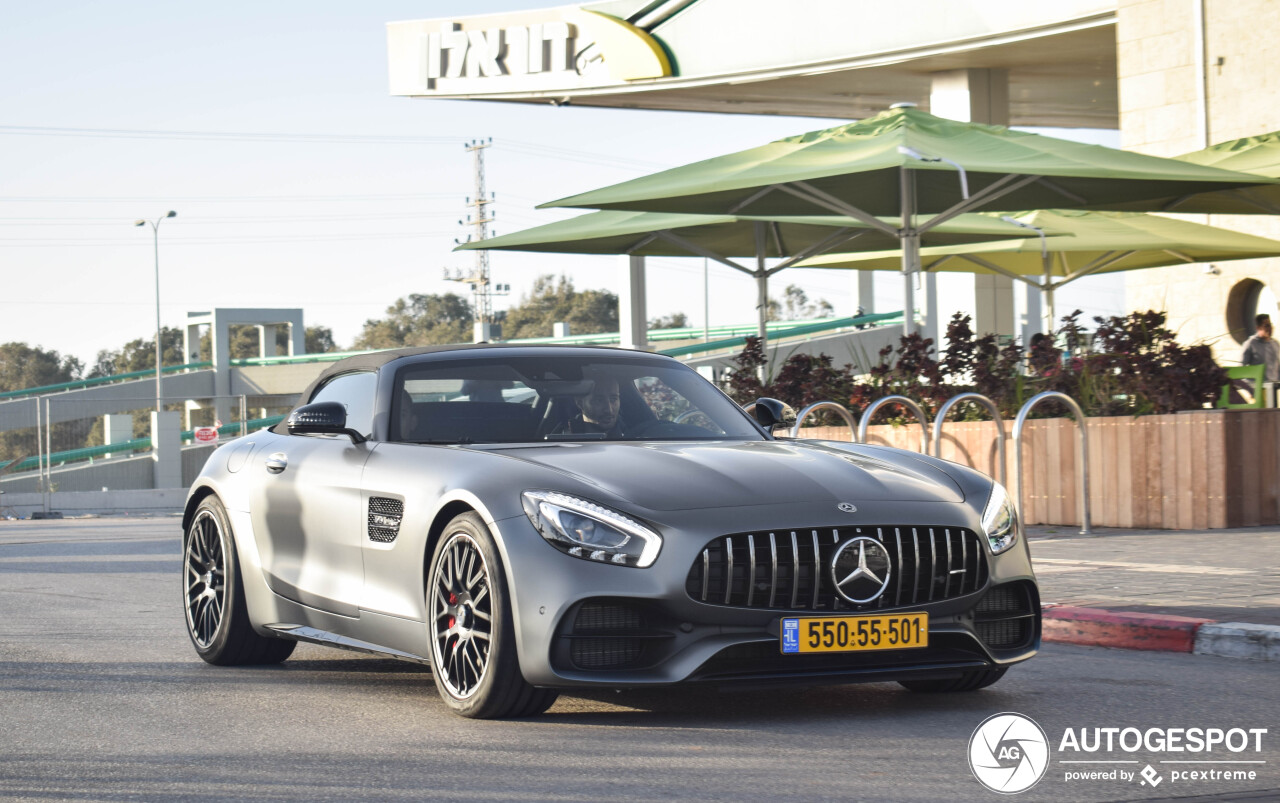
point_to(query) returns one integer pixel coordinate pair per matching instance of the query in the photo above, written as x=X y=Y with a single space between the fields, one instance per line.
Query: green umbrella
x=724 y=237
x=1100 y=242
x=1257 y=155
x=908 y=162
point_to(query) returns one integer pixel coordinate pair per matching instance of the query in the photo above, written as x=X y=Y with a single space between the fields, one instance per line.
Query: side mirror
x=322 y=418
x=772 y=413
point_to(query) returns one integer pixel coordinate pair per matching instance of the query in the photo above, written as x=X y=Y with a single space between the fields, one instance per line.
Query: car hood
x=683 y=475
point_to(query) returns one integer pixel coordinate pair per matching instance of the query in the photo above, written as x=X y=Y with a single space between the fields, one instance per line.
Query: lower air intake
x=1005 y=618
x=605 y=653
x=609 y=634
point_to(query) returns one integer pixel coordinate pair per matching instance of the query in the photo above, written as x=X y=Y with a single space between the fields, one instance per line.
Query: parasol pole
x=762 y=298
x=910 y=239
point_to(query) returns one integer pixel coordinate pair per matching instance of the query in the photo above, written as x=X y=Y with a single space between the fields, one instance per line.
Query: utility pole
x=479 y=219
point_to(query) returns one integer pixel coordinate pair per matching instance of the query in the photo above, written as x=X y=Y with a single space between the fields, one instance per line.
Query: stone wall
x=1161 y=114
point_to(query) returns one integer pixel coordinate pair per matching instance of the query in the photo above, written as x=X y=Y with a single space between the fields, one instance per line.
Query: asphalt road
x=102 y=698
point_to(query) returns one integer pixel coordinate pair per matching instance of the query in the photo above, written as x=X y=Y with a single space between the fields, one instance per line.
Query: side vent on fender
x=384 y=518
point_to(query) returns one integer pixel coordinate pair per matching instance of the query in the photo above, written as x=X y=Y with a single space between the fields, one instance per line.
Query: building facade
x=1192 y=73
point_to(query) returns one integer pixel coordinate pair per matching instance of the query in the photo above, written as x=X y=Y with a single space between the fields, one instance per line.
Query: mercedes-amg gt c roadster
x=531 y=519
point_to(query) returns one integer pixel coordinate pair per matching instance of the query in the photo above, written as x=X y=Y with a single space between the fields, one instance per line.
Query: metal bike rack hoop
x=826 y=405
x=905 y=402
x=1081 y=428
x=991 y=407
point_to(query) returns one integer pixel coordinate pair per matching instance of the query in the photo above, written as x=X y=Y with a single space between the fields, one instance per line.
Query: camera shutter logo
x=1008 y=753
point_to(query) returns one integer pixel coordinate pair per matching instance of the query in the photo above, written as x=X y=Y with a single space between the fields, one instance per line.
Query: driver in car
x=598 y=410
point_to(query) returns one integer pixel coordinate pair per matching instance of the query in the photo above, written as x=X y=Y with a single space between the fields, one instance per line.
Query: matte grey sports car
x=529 y=519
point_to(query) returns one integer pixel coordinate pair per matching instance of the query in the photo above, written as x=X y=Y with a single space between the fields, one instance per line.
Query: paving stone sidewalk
x=1226 y=575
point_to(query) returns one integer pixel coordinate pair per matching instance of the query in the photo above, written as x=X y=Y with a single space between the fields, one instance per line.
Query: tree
x=796 y=306
x=553 y=300
x=140 y=355
x=419 y=320
x=320 y=340
x=676 y=320
x=23 y=366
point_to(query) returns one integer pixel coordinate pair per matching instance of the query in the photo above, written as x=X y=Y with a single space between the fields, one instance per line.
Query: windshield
x=522 y=399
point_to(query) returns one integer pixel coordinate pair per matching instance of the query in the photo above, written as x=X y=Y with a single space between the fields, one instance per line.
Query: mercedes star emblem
x=847 y=507
x=860 y=570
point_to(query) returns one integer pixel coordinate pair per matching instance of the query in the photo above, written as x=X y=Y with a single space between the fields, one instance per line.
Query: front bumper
x=582 y=624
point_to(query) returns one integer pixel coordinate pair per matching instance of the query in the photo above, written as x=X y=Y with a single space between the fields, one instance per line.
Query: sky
x=299 y=181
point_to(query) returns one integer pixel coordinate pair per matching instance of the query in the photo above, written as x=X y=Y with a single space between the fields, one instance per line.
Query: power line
x=114 y=222
x=232 y=136
x=217 y=198
x=45 y=242
x=529 y=148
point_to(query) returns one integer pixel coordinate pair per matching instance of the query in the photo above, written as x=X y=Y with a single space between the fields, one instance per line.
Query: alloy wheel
x=206 y=579
x=462 y=615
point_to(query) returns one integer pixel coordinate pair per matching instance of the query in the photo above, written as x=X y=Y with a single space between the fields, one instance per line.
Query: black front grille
x=791 y=569
x=384 y=518
x=765 y=660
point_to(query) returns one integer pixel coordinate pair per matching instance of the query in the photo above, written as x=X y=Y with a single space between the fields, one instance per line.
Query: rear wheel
x=473 y=644
x=213 y=595
x=969 y=681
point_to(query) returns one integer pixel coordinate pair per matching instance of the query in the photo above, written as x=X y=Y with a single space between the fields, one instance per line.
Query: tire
x=213 y=596
x=969 y=681
x=473 y=642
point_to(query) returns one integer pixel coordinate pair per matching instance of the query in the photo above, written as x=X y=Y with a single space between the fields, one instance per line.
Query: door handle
x=277 y=462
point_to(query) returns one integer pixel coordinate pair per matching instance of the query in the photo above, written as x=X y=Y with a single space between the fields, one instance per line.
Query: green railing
x=726 y=337
x=136 y=445
x=331 y=356
x=80 y=384
x=793 y=331
x=781 y=328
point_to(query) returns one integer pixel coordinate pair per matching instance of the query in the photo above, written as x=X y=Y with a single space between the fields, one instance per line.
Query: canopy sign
x=557 y=49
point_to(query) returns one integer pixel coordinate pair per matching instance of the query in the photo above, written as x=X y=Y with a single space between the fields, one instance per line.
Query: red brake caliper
x=453 y=600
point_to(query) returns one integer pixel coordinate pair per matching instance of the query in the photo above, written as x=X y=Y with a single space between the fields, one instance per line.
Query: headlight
x=586 y=530
x=1000 y=520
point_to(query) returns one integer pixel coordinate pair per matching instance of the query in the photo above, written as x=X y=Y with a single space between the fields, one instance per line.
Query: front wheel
x=473 y=644
x=969 y=681
x=213 y=595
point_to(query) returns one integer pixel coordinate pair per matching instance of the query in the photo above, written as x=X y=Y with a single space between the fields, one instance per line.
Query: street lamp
x=155 y=231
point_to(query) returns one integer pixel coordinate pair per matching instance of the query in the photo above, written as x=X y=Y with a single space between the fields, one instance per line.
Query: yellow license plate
x=902 y=631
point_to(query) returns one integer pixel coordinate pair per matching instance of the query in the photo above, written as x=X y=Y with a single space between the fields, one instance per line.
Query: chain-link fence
x=22 y=448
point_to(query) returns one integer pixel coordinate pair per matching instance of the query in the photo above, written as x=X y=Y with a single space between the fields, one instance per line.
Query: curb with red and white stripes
x=1160 y=632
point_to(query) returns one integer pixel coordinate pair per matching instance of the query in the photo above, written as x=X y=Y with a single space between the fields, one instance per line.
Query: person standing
x=1262 y=349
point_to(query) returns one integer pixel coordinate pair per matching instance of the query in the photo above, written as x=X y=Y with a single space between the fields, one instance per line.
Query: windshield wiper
x=575 y=436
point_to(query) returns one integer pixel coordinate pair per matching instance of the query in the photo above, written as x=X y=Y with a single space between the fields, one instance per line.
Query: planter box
x=1190 y=471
